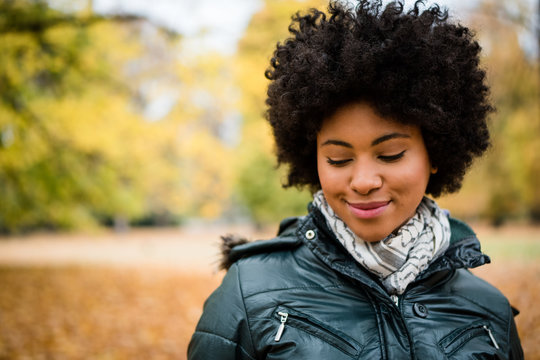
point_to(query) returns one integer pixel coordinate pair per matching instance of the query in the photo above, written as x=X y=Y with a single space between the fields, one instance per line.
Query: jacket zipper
x=284 y=317
x=300 y=321
x=395 y=298
x=491 y=337
x=452 y=342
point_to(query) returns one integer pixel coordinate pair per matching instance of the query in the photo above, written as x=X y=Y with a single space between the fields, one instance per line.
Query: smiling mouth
x=368 y=210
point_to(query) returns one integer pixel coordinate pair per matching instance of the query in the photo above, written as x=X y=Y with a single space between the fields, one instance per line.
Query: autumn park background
x=126 y=150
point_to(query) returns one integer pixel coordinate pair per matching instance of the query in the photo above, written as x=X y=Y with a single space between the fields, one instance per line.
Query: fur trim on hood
x=228 y=242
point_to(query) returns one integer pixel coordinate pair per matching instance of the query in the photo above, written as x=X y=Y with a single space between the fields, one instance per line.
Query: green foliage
x=259 y=188
x=75 y=149
x=505 y=184
x=259 y=184
x=72 y=148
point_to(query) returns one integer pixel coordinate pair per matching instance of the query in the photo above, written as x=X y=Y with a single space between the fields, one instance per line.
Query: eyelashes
x=385 y=158
x=337 y=162
x=392 y=158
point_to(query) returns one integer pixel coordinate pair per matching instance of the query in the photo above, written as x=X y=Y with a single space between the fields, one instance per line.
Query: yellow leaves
x=113 y=43
x=504 y=183
x=207 y=169
x=88 y=125
x=519 y=151
x=26 y=145
x=62 y=35
x=20 y=57
x=99 y=313
x=126 y=313
x=257 y=182
x=266 y=28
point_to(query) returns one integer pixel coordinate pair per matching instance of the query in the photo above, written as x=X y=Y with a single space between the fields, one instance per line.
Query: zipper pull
x=284 y=317
x=395 y=298
x=492 y=337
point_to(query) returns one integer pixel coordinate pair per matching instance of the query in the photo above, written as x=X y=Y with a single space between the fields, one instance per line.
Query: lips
x=368 y=210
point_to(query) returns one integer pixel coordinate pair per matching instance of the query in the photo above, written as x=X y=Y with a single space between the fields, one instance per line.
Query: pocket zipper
x=302 y=322
x=284 y=317
x=491 y=337
x=455 y=340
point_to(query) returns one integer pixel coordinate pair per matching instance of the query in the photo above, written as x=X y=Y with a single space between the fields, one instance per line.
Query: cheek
x=332 y=180
x=325 y=178
x=322 y=169
x=415 y=176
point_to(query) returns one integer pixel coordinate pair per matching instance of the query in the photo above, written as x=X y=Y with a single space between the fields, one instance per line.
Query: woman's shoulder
x=281 y=263
x=235 y=248
x=478 y=293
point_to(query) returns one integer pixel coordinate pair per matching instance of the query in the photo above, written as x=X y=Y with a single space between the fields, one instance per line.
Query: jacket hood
x=464 y=250
x=234 y=247
x=228 y=243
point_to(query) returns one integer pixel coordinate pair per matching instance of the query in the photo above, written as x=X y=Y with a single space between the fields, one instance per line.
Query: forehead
x=361 y=119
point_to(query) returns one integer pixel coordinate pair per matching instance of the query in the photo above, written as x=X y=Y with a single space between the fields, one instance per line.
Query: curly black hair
x=416 y=67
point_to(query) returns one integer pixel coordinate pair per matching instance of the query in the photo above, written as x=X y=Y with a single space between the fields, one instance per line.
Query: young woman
x=372 y=108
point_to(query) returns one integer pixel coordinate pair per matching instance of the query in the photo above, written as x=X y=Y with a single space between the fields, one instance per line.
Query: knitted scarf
x=401 y=256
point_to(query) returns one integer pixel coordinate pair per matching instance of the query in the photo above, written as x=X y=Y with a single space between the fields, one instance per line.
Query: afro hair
x=416 y=67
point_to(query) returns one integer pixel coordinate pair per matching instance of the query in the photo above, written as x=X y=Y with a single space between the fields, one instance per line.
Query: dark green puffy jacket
x=302 y=296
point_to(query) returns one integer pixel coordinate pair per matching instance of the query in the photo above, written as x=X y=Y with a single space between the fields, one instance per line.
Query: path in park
x=195 y=248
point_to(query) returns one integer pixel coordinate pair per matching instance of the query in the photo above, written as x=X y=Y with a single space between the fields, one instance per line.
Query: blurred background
x=132 y=135
x=122 y=113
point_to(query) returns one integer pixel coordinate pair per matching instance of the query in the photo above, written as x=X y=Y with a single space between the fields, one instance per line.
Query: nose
x=365 y=179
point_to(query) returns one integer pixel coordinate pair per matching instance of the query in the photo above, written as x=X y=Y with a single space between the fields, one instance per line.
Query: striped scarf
x=399 y=258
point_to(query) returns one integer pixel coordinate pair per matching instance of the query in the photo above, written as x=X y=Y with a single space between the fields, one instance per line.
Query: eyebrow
x=377 y=141
x=389 y=137
x=337 y=142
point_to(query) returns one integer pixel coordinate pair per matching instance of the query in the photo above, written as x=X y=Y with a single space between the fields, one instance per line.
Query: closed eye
x=337 y=162
x=392 y=158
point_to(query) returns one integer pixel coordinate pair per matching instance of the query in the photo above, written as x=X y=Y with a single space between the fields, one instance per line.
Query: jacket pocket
x=475 y=340
x=288 y=317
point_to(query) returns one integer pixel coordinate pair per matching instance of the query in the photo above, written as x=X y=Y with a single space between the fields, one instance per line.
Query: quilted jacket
x=302 y=296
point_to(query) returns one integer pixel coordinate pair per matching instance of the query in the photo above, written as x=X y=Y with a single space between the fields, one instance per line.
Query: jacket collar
x=463 y=252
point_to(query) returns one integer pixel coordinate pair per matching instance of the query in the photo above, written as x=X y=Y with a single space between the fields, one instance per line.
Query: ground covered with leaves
x=150 y=313
x=99 y=313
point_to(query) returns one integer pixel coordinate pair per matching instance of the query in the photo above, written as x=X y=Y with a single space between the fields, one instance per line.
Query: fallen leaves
x=99 y=313
x=150 y=313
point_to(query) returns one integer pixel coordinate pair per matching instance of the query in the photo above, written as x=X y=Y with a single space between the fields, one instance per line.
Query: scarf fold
x=401 y=256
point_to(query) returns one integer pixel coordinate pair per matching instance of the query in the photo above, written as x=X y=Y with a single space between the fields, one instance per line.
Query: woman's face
x=373 y=171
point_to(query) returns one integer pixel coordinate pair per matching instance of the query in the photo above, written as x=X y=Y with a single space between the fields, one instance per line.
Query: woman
x=372 y=108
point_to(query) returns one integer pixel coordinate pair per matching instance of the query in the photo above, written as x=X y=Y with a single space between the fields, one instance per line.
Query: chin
x=371 y=237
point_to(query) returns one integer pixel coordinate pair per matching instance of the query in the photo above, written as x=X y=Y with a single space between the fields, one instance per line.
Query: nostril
x=365 y=184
